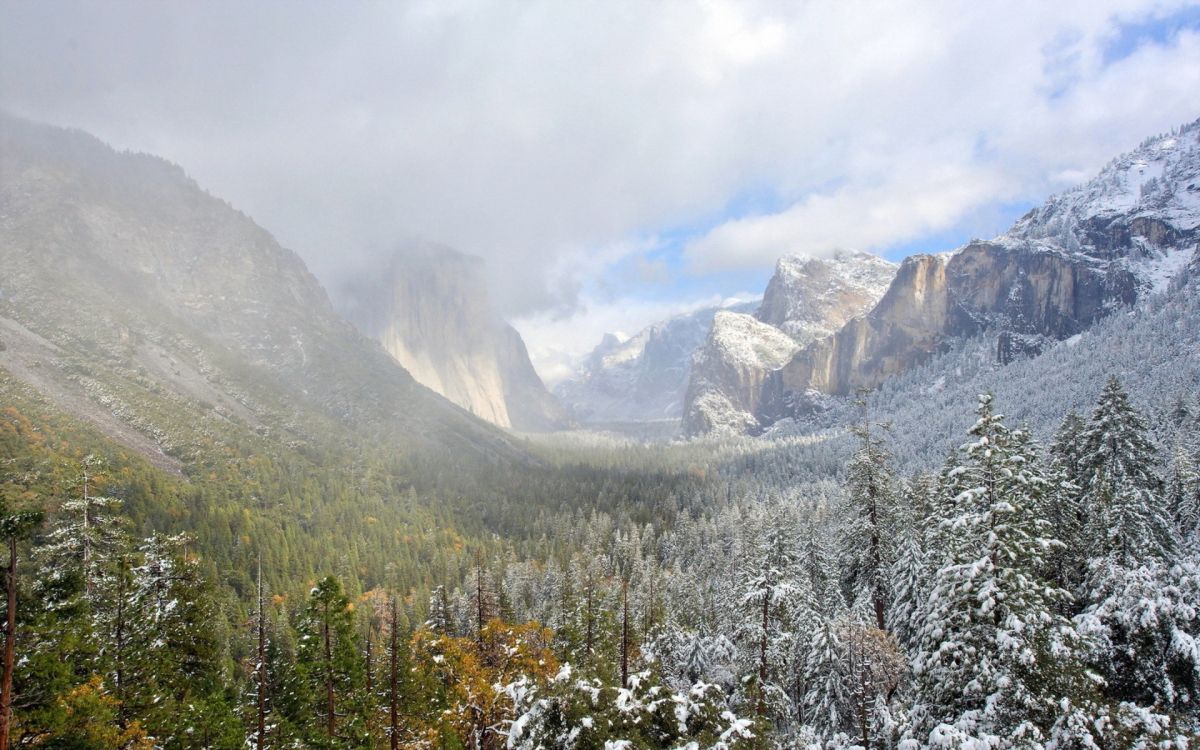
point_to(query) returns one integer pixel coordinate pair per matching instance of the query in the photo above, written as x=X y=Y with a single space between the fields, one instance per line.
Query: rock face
x=728 y=374
x=137 y=301
x=643 y=378
x=431 y=312
x=807 y=298
x=1085 y=253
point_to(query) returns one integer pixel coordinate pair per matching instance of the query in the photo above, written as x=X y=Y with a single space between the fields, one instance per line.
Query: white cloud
x=534 y=133
x=558 y=344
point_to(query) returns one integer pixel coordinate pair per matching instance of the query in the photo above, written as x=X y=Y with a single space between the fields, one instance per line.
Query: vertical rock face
x=431 y=312
x=728 y=373
x=1131 y=231
x=807 y=298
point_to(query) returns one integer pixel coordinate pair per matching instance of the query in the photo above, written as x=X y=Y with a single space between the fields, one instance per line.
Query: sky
x=618 y=161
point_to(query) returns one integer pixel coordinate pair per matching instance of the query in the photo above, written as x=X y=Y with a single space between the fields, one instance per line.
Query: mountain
x=134 y=300
x=430 y=310
x=728 y=372
x=1100 y=247
x=806 y=298
x=643 y=378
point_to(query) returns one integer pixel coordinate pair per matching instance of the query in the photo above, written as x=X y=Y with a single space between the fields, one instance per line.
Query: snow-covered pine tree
x=1182 y=496
x=868 y=538
x=330 y=661
x=769 y=586
x=909 y=573
x=1141 y=597
x=994 y=658
x=87 y=533
x=1125 y=518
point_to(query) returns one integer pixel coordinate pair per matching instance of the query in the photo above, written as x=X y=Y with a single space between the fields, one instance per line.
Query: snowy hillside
x=641 y=378
x=809 y=298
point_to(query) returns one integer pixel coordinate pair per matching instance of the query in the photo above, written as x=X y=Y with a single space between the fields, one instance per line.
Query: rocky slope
x=806 y=298
x=643 y=378
x=728 y=373
x=430 y=311
x=135 y=300
x=1100 y=247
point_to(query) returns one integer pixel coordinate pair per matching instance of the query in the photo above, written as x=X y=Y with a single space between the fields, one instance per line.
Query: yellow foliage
x=88 y=718
x=468 y=671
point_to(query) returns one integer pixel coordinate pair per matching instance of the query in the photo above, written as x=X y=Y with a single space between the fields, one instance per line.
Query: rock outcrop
x=431 y=312
x=1130 y=232
x=728 y=374
x=807 y=298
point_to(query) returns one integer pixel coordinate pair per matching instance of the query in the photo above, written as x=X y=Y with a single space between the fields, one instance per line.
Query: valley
x=951 y=501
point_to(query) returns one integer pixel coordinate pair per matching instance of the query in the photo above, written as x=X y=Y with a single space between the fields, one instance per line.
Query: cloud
x=550 y=138
x=558 y=344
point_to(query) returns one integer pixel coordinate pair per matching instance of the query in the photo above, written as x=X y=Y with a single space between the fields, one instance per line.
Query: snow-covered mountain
x=431 y=312
x=806 y=298
x=641 y=378
x=1085 y=253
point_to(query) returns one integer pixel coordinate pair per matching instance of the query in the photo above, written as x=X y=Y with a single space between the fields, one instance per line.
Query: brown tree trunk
x=625 y=634
x=10 y=644
x=330 y=695
x=260 y=673
x=761 y=709
x=393 y=683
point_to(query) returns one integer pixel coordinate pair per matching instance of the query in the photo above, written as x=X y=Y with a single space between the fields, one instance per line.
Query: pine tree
x=330 y=661
x=768 y=588
x=1182 y=496
x=992 y=650
x=16 y=526
x=868 y=539
x=1121 y=490
x=909 y=574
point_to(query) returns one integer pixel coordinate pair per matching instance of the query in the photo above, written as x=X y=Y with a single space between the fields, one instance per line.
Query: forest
x=1022 y=596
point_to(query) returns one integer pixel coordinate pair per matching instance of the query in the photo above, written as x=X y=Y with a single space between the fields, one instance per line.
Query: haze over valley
x=690 y=376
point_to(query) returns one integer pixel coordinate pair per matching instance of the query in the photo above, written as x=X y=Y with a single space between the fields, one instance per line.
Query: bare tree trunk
x=761 y=709
x=10 y=644
x=260 y=672
x=479 y=605
x=119 y=644
x=588 y=627
x=330 y=695
x=393 y=682
x=370 y=659
x=625 y=634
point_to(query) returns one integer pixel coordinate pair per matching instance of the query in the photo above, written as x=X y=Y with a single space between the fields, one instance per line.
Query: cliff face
x=135 y=300
x=431 y=312
x=807 y=298
x=1130 y=232
x=728 y=374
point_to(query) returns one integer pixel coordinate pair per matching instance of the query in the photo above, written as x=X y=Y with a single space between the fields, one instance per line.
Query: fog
x=567 y=143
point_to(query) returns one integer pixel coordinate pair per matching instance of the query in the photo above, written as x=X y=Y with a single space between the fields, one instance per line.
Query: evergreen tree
x=1121 y=490
x=330 y=661
x=992 y=652
x=868 y=541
